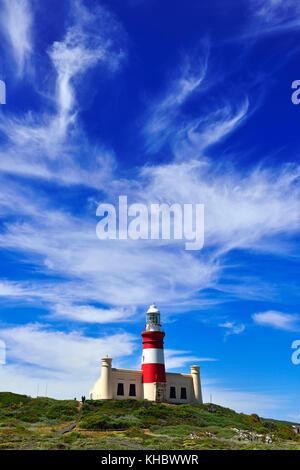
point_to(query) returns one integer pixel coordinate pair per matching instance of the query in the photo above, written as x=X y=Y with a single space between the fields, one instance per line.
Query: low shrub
x=103 y=423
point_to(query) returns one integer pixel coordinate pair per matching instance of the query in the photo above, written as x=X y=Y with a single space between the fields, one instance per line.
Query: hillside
x=35 y=423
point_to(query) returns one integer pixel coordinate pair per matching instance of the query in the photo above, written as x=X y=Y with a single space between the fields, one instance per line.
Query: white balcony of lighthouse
x=153 y=319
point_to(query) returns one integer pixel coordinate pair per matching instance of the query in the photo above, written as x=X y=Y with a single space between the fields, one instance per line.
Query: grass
x=17 y=409
x=32 y=423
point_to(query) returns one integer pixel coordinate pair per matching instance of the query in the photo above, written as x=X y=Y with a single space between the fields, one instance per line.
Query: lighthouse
x=153 y=362
x=151 y=381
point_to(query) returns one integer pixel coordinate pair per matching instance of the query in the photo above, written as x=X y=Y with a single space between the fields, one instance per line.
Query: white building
x=152 y=382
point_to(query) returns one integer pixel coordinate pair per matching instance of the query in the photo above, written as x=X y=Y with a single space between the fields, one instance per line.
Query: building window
x=132 y=390
x=172 y=392
x=183 y=393
x=120 y=390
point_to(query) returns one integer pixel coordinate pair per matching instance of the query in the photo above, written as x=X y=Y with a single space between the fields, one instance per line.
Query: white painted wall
x=178 y=381
x=127 y=376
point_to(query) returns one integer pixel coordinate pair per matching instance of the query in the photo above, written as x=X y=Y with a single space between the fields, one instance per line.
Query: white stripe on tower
x=153 y=356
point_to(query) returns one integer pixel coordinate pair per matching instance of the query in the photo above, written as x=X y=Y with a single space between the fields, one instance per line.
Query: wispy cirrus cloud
x=232 y=328
x=275 y=12
x=195 y=136
x=91 y=39
x=118 y=273
x=162 y=115
x=189 y=130
x=66 y=297
x=16 y=22
x=41 y=145
x=272 y=16
x=231 y=199
x=105 y=272
x=278 y=320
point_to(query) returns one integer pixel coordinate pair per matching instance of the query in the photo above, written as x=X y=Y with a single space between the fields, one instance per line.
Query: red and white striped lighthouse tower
x=153 y=362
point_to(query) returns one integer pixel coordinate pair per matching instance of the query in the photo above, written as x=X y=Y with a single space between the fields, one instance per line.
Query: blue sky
x=174 y=102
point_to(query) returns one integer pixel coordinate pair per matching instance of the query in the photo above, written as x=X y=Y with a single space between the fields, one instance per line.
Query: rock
x=251 y=436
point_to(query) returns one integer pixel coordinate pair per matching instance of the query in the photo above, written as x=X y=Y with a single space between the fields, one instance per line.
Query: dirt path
x=72 y=426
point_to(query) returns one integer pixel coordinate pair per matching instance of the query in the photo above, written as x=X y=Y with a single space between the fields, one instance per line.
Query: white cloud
x=16 y=21
x=65 y=361
x=33 y=164
x=96 y=270
x=90 y=314
x=272 y=16
x=275 y=12
x=117 y=272
x=232 y=328
x=240 y=209
x=47 y=146
x=86 y=43
x=175 y=359
x=107 y=271
x=47 y=294
x=10 y=289
x=195 y=136
x=161 y=118
x=2 y=352
x=278 y=320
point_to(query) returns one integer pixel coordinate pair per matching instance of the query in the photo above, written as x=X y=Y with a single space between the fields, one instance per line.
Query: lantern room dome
x=153 y=309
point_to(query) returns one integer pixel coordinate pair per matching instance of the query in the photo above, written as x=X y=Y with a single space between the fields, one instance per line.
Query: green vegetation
x=208 y=417
x=19 y=409
x=32 y=423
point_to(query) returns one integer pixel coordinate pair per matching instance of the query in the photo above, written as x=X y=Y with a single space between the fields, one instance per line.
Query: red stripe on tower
x=153 y=339
x=153 y=363
x=153 y=373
